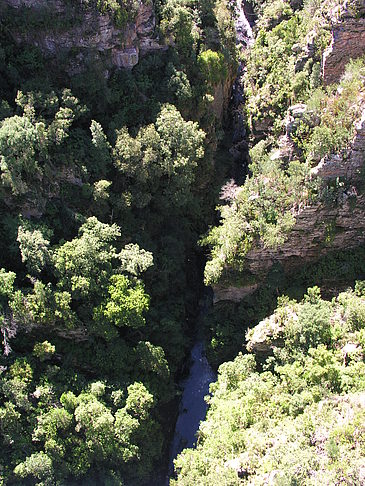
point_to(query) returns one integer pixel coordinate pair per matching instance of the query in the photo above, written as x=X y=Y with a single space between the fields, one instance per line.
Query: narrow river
x=193 y=408
x=195 y=387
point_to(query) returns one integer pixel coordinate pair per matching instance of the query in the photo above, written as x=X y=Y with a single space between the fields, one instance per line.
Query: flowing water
x=193 y=407
x=195 y=387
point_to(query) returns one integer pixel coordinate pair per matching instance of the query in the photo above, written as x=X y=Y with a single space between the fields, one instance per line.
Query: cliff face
x=321 y=228
x=348 y=41
x=91 y=33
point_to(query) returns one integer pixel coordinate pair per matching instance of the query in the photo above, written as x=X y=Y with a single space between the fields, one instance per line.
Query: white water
x=243 y=26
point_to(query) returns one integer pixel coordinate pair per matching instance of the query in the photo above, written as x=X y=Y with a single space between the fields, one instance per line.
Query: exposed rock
x=295 y=114
x=78 y=335
x=267 y=335
x=296 y=4
x=342 y=165
x=244 y=21
x=350 y=348
x=261 y=127
x=348 y=42
x=222 y=92
x=234 y=294
x=243 y=26
x=322 y=228
x=306 y=53
x=125 y=58
x=96 y=34
x=286 y=151
x=318 y=230
x=28 y=3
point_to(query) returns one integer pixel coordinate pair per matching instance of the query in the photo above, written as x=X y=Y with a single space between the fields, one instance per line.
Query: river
x=193 y=408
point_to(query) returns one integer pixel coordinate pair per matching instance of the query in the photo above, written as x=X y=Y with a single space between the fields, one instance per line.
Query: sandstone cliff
x=319 y=229
x=88 y=34
x=348 y=40
x=324 y=227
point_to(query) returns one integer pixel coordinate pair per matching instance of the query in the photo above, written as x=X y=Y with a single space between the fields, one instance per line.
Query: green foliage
x=44 y=350
x=129 y=172
x=135 y=260
x=161 y=161
x=283 y=422
x=85 y=263
x=19 y=142
x=38 y=466
x=125 y=305
x=122 y=11
x=34 y=249
x=178 y=21
x=6 y=283
x=100 y=168
x=337 y=109
x=139 y=400
x=278 y=67
x=212 y=66
x=87 y=431
x=28 y=142
x=263 y=208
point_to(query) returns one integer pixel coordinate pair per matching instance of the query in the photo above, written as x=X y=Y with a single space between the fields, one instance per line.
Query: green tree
x=126 y=303
x=39 y=467
x=34 y=249
x=160 y=162
x=139 y=401
x=85 y=264
x=213 y=67
x=20 y=141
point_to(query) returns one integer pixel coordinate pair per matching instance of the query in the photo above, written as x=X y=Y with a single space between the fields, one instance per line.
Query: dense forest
x=127 y=189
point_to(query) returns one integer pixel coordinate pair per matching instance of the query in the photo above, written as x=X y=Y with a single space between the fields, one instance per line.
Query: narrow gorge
x=182 y=264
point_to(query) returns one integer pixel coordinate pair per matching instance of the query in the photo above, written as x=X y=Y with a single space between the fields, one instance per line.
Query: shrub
x=213 y=66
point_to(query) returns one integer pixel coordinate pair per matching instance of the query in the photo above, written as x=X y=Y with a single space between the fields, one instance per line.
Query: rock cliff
x=348 y=40
x=322 y=228
x=89 y=34
x=319 y=229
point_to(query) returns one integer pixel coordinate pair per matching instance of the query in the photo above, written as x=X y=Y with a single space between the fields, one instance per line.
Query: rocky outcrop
x=322 y=228
x=348 y=165
x=268 y=334
x=348 y=40
x=233 y=294
x=93 y=35
x=221 y=95
x=319 y=229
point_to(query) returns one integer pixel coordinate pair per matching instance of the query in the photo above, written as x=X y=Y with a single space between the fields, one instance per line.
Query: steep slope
x=301 y=419
x=116 y=34
x=107 y=177
x=320 y=124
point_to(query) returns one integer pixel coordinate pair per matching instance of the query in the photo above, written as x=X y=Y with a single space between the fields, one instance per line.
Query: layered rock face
x=319 y=229
x=95 y=34
x=322 y=228
x=233 y=294
x=348 y=41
